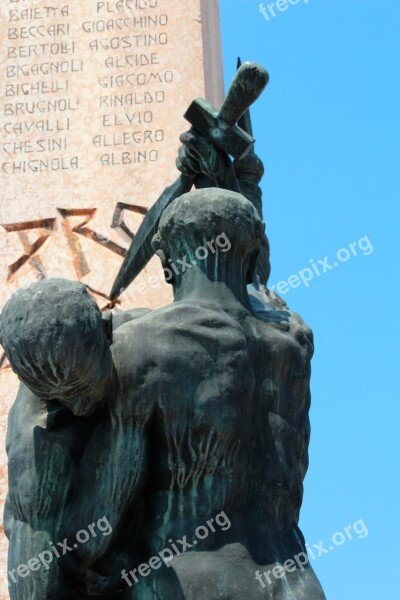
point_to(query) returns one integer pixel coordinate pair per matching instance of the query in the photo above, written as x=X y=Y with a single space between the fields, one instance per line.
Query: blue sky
x=327 y=128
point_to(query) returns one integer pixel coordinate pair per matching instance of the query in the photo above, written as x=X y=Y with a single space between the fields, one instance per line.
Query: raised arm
x=198 y=156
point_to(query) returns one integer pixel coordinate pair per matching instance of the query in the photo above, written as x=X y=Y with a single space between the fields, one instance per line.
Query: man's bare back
x=222 y=437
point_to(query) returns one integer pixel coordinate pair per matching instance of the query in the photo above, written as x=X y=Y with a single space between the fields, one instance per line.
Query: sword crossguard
x=220 y=127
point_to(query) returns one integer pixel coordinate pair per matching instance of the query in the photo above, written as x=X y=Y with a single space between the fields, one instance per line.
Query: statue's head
x=217 y=230
x=53 y=336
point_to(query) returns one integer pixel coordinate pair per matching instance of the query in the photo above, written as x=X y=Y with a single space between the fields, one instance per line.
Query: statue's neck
x=197 y=285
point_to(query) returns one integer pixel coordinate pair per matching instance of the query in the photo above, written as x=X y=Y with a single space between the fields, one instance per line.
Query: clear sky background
x=327 y=129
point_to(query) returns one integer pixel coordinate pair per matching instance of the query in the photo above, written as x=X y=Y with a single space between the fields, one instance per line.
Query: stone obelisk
x=92 y=98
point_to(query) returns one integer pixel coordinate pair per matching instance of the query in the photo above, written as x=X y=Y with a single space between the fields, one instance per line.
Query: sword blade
x=141 y=251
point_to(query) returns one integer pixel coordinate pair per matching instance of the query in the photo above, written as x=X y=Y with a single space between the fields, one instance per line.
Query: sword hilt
x=247 y=85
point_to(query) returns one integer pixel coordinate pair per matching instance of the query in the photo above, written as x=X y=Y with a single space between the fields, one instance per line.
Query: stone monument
x=160 y=454
x=92 y=104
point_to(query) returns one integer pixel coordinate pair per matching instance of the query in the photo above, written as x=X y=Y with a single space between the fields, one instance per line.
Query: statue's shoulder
x=148 y=337
x=136 y=333
x=302 y=333
x=26 y=411
x=183 y=318
x=125 y=330
x=134 y=349
x=120 y=317
x=26 y=415
x=272 y=309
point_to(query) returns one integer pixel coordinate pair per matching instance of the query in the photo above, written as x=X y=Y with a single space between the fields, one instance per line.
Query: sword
x=220 y=127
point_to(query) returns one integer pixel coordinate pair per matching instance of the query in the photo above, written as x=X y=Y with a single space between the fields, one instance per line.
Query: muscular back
x=225 y=397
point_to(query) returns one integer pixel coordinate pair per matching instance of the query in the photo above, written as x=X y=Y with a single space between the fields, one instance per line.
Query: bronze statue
x=161 y=454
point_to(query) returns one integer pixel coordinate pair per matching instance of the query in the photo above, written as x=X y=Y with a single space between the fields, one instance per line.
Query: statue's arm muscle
x=109 y=480
x=113 y=468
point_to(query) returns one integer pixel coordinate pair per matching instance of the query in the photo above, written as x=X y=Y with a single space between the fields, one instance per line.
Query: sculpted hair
x=195 y=218
x=50 y=331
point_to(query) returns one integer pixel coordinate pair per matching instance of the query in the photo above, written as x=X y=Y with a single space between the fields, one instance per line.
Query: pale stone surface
x=92 y=100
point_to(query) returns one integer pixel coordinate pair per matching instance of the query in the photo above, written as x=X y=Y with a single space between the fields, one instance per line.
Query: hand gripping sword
x=218 y=127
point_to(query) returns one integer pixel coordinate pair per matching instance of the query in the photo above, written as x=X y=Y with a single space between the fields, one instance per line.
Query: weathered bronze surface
x=160 y=455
